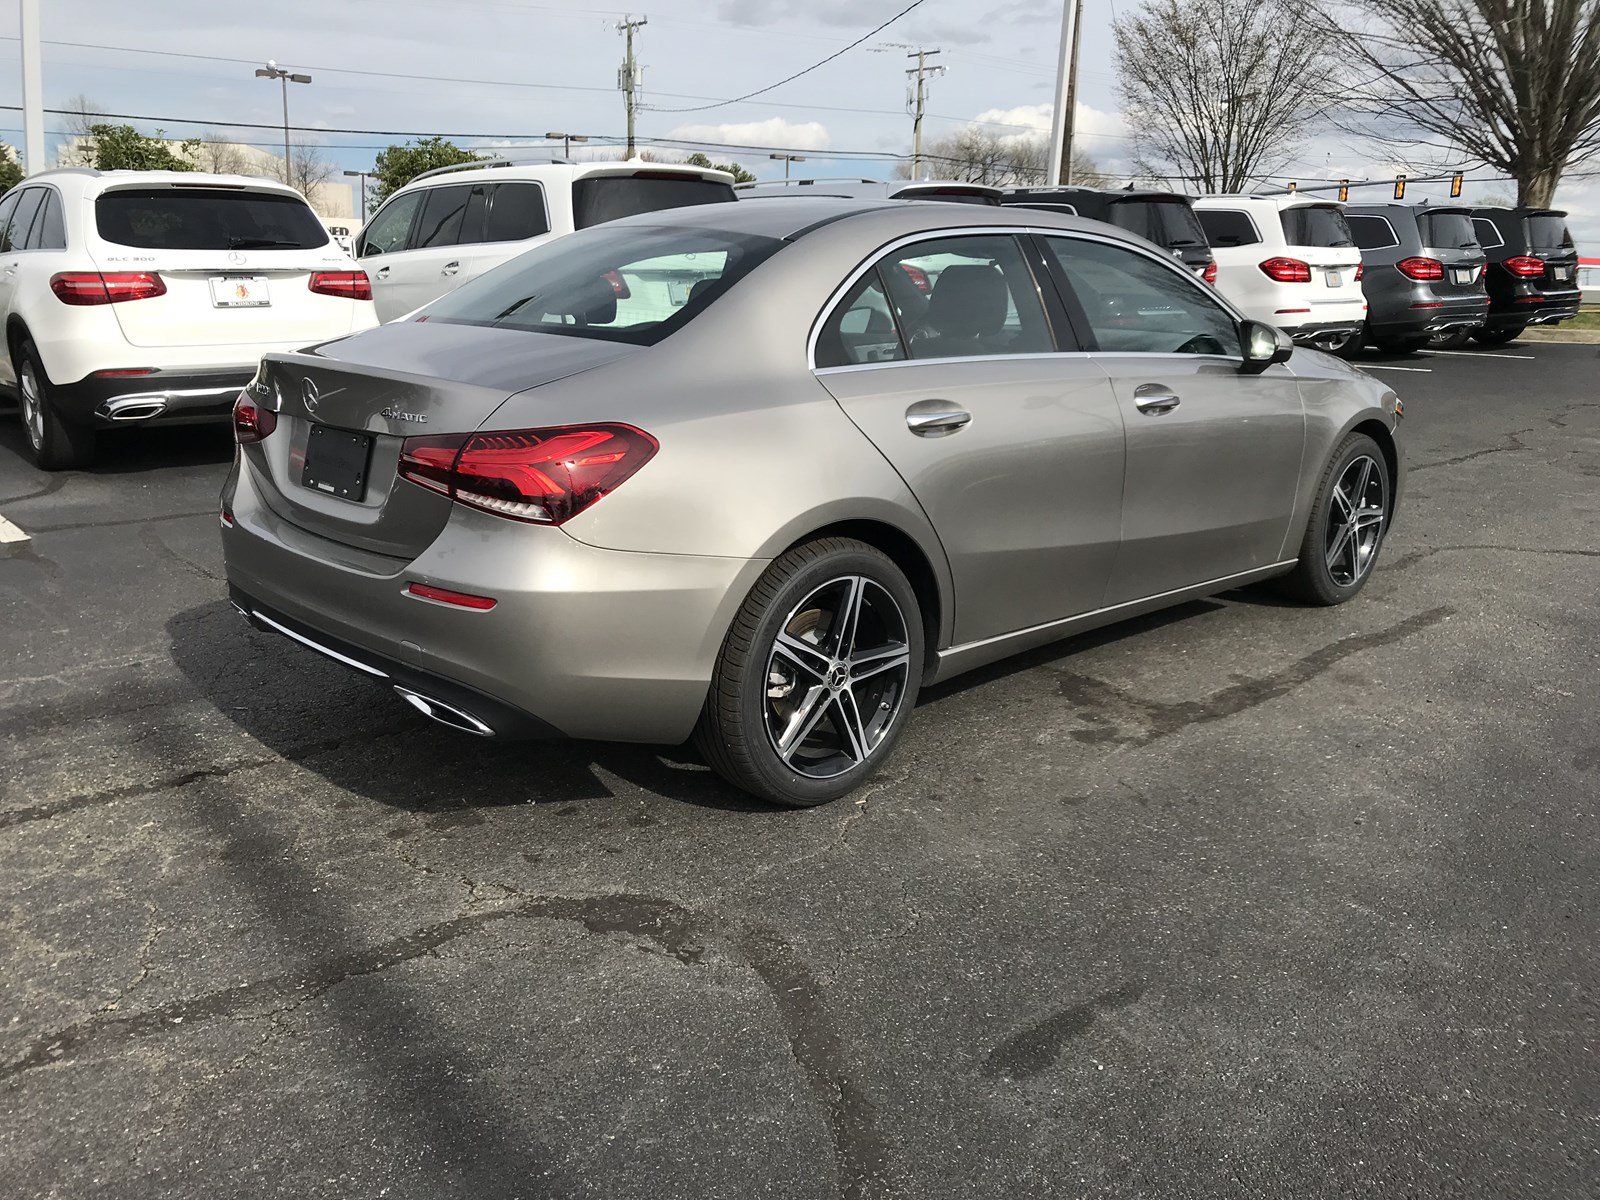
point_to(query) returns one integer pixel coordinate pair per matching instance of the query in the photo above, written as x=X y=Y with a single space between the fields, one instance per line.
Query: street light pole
x=363 y=176
x=32 y=91
x=285 y=77
x=566 y=140
x=787 y=159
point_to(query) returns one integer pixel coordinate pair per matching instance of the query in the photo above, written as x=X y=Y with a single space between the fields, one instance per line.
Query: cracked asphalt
x=1238 y=900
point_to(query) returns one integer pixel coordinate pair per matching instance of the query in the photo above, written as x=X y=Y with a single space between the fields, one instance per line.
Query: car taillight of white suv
x=132 y=297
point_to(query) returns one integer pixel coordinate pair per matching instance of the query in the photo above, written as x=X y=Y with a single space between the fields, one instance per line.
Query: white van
x=448 y=225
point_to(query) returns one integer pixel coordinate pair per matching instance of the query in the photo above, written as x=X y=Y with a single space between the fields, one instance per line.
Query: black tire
x=56 y=444
x=1450 y=339
x=759 y=692
x=1331 y=569
x=1497 y=337
x=1408 y=345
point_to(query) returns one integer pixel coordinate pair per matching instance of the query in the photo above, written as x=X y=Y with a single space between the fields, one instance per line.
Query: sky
x=503 y=72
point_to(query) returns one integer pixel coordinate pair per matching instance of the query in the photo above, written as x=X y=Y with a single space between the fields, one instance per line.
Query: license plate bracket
x=1335 y=279
x=337 y=462
x=240 y=291
x=1461 y=276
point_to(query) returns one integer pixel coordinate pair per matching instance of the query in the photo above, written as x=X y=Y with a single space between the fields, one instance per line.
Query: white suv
x=138 y=296
x=1289 y=261
x=450 y=224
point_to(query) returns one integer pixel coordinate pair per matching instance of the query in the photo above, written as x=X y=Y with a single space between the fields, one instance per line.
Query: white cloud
x=775 y=132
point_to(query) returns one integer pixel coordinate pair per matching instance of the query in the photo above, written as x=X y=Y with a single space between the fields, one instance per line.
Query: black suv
x=1165 y=218
x=1533 y=270
x=1422 y=274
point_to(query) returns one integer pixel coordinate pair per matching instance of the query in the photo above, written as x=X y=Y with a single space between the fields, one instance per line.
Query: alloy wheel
x=837 y=676
x=32 y=404
x=1355 y=521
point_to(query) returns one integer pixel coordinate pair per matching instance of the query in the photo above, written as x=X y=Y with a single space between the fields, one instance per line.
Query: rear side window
x=49 y=229
x=1549 y=232
x=967 y=296
x=632 y=285
x=1227 y=227
x=611 y=197
x=517 y=213
x=1165 y=222
x=1315 y=226
x=389 y=229
x=201 y=218
x=16 y=233
x=1488 y=233
x=861 y=328
x=443 y=213
x=1447 y=231
x=1373 y=233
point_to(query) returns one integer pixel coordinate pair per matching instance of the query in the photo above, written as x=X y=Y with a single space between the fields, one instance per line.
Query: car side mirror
x=1262 y=345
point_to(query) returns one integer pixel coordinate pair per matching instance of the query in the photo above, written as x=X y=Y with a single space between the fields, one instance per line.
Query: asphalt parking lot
x=1242 y=899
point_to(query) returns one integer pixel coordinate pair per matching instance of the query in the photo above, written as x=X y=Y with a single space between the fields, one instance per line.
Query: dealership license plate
x=1460 y=275
x=336 y=462
x=1335 y=279
x=240 y=291
x=1562 y=273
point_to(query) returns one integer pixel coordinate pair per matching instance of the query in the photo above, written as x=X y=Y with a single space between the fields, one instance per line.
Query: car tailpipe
x=134 y=408
x=445 y=714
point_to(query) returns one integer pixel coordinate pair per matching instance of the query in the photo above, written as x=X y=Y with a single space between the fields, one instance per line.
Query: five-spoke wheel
x=1348 y=520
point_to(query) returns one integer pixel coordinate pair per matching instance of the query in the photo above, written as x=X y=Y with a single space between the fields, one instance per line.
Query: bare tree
x=81 y=116
x=1218 y=92
x=1514 y=84
x=308 y=168
x=976 y=155
x=214 y=153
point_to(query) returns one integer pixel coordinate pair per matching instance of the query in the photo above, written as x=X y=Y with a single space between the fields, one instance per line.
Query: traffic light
x=1294 y=187
x=1344 y=191
x=1455 y=186
x=1399 y=187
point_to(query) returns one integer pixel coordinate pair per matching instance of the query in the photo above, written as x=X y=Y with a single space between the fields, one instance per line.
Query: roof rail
x=809 y=182
x=66 y=171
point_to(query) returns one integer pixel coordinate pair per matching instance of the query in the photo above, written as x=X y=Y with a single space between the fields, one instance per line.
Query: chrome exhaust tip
x=134 y=408
x=445 y=714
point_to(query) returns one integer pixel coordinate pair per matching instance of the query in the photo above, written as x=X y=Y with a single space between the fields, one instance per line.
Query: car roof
x=1021 y=195
x=860 y=189
x=93 y=182
x=556 y=171
x=1281 y=202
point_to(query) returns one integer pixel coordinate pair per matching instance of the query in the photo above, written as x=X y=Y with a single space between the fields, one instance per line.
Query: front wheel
x=1497 y=337
x=817 y=677
x=1348 y=520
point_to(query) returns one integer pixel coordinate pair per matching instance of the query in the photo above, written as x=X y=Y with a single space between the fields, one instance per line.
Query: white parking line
x=1480 y=354
x=11 y=538
x=1382 y=367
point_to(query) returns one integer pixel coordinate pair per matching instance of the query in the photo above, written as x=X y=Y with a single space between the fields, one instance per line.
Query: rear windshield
x=1447 y=231
x=636 y=284
x=1549 y=232
x=1227 y=227
x=610 y=197
x=1169 y=223
x=199 y=218
x=1315 y=226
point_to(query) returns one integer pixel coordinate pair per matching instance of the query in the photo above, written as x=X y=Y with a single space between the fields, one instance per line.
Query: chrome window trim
x=839 y=293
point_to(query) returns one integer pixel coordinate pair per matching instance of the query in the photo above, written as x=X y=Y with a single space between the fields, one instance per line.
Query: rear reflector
x=1287 y=270
x=227 y=519
x=112 y=287
x=123 y=373
x=425 y=591
x=542 y=476
x=1526 y=266
x=1435 y=304
x=350 y=285
x=1421 y=269
x=251 y=422
x=1284 y=311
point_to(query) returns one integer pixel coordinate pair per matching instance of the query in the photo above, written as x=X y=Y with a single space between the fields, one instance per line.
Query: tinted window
x=958 y=297
x=1136 y=306
x=518 y=213
x=861 y=328
x=200 y=218
x=1227 y=227
x=7 y=207
x=16 y=234
x=1315 y=226
x=1447 y=231
x=1372 y=233
x=442 y=214
x=1487 y=232
x=634 y=285
x=475 y=221
x=49 y=229
x=609 y=197
x=1168 y=223
x=1549 y=232
x=389 y=228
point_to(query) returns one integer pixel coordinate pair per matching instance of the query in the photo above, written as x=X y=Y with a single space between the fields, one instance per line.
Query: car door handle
x=450 y=268
x=381 y=273
x=1154 y=398
x=935 y=418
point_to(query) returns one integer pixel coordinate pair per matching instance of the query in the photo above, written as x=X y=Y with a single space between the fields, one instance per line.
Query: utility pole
x=32 y=91
x=629 y=75
x=917 y=100
x=1059 y=166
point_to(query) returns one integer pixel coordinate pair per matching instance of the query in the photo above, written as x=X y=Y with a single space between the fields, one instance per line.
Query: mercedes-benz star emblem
x=236 y=258
x=310 y=394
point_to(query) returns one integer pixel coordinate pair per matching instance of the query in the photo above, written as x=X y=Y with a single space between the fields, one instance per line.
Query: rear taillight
x=110 y=287
x=1361 y=270
x=251 y=422
x=1421 y=269
x=1210 y=273
x=619 y=285
x=544 y=476
x=347 y=285
x=1525 y=265
x=918 y=277
x=1286 y=270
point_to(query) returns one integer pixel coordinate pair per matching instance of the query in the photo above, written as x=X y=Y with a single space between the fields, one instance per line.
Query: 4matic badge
x=395 y=413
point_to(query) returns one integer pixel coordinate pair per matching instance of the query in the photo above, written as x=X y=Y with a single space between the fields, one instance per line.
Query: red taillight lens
x=1525 y=265
x=251 y=422
x=1287 y=270
x=1361 y=271
x=918 y=277
x=619 y=285
x=1421 y=269
x=111 y=287
x=347 y=285
x=544 y=476
x=1210 y=273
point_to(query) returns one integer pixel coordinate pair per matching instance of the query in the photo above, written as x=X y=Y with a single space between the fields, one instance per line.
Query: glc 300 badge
x=397 y=414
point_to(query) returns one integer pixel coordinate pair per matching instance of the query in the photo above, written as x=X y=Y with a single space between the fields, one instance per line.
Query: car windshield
x=633 y=284
x=1448 y=230
x=610 y=197
x=1167 y=223
x=1315 y=225
x=202 y=218
x=1548 y=231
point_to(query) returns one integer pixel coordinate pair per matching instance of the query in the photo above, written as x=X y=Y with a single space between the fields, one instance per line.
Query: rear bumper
x=1532 y=307
x=582 y=642
x=1416 y=321
x=167 y=397
x=1322 y=331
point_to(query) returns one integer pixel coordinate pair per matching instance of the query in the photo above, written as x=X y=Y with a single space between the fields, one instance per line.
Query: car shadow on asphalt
x=132 y=451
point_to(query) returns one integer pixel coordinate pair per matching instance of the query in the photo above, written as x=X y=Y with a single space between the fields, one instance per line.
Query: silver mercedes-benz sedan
x=757 y=473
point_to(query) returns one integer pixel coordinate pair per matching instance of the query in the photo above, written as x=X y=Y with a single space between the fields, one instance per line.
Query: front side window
x=16 y=232
x=603 y=198
x=390 y=227
x=1228 y=227
x=635 y=285
x=966 y=296
x=207 y=218
x=1372 y=233
x=861 y=329
x=1488 y=233
x=1137 y=306
x=1315 y=225
x=443 y=213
